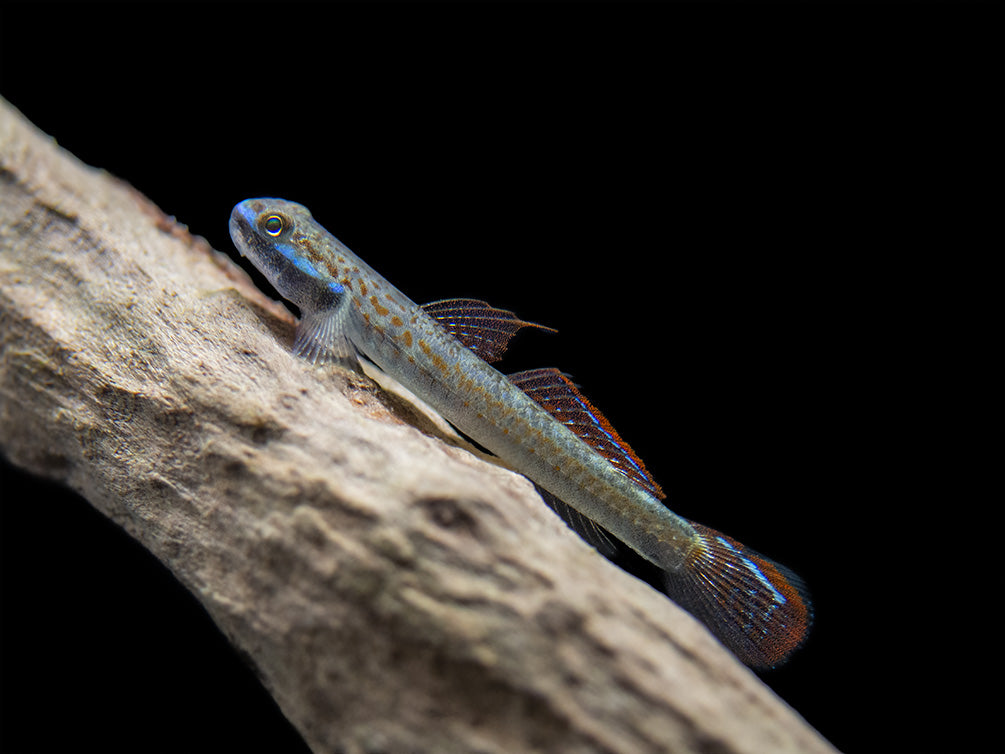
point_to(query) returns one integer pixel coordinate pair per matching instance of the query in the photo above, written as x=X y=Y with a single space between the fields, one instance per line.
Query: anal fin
x=585 y=527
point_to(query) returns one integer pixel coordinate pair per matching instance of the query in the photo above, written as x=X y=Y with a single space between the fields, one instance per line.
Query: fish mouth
x=242 y=224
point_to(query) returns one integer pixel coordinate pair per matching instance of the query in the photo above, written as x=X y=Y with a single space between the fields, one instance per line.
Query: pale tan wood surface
x=396 y=591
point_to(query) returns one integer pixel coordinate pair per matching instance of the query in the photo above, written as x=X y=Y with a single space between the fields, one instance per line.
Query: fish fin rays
x=321 y=339
x=559 y=396
x=759 y=609
x=484 y=329
x=585 y=527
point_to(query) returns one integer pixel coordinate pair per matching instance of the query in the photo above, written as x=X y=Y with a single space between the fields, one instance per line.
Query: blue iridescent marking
x=711 y=575
x=624 y=457
x=297 y=259
x=779 y=597
x=302 y=263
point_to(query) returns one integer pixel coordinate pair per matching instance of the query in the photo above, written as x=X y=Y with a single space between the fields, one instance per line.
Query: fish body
x=537 y=422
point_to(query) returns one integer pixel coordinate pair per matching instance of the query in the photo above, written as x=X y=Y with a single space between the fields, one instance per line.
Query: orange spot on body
x=437 y=360
x=377 y=305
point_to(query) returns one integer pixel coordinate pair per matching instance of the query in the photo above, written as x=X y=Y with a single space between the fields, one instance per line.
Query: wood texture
x=396 y=591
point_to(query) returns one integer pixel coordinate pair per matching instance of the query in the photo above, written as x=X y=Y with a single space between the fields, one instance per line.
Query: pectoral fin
x=321 y=339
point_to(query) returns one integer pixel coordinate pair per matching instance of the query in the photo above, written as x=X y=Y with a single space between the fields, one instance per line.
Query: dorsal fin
x=560 y=397
x=485 y=330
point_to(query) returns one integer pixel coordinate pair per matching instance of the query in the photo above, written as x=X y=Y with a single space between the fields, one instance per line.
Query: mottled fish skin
x=315 y=271
x=756 y=607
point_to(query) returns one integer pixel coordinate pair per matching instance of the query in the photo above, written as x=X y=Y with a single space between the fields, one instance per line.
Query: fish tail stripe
x=759 y=609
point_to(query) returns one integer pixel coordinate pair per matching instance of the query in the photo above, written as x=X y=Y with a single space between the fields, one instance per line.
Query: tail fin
x=759 y=609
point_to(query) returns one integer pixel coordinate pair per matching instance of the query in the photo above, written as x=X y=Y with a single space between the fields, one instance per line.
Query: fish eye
x=273 y=225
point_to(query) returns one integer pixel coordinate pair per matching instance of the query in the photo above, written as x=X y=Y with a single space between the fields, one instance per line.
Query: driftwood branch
x=396 y=591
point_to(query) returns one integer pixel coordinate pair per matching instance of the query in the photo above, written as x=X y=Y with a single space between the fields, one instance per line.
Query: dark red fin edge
x=559 y=396
x=758 y=608
x=481 y=327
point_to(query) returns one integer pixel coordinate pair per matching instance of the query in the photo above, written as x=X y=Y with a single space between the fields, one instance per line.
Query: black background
x=770 y=238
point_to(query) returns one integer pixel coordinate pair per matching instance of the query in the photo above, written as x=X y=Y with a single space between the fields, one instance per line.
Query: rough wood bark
x=396 y=591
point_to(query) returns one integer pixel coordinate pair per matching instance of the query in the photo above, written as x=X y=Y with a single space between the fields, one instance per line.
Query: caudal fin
x=759 y=609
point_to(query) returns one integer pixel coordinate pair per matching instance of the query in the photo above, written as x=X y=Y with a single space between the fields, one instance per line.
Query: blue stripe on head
x=297 y=258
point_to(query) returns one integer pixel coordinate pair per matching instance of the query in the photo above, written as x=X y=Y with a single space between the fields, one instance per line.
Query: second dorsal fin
x=560 y=397
x=482 y=328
